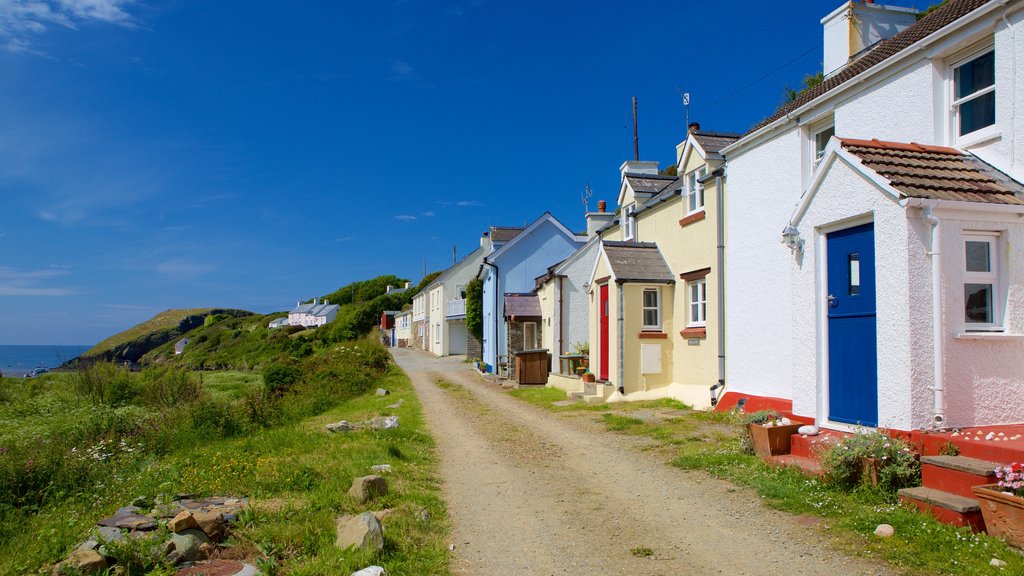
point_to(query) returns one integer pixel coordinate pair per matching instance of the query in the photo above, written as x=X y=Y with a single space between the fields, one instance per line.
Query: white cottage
x=446 y=298
x=894 y=298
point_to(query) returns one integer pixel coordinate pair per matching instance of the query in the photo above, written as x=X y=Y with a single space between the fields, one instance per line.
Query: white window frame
x=695 y=190
x=984 y=132
x=697 y=303
x=656 y=308
x=530 y=343
x=818 y=152
x=812 y=130
x=991 y=277
x=629 y=221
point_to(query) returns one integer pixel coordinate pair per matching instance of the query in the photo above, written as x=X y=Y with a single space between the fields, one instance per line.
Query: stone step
x=576 y=395
x=945 y=506
x=956 y=474
x=809 y=466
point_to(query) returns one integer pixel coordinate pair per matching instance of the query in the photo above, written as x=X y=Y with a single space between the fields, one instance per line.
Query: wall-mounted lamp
x=586 y=287
x=791 y=238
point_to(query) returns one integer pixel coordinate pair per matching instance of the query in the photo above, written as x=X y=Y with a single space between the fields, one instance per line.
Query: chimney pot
x=693 y=127
x=602 y=206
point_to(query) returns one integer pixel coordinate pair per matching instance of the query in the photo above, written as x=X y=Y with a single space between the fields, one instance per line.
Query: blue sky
x=182 y=154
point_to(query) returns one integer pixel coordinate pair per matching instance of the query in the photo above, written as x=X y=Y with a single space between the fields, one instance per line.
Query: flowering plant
x=1011 y=478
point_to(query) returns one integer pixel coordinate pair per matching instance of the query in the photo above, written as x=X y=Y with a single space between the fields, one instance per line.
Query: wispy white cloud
x=462 y=203
x=429 y=214
x=15 y=282
x=21 y=19
x=183 y=269
x=402 y=70
x=405 y=217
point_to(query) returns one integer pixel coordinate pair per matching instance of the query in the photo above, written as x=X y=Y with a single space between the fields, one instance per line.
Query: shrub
x=899 y=466
x=167 y=387
x=279 y=378
x=104 y=383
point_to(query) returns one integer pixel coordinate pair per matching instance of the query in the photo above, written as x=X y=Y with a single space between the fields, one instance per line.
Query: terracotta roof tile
x=938 y=172
x=882 y=51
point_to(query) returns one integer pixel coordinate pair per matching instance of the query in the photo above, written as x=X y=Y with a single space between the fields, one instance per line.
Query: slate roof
x=637 y=262
x=882 y=51
x=938 y=172
x=713 y=142
x=504 y=233
x=648 y=183
x=522 y=306
x=315 y=309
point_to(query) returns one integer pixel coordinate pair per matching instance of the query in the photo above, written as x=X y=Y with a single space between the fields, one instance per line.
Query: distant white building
x=278 y=322
x=314 y=313
x=179 y=346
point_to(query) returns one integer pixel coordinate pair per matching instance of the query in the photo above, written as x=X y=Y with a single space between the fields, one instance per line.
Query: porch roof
x=637 y=262
x=522 y=306
x=937 y=172
x=649 y=183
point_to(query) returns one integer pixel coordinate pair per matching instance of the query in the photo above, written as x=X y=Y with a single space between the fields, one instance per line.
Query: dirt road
x=532 y=492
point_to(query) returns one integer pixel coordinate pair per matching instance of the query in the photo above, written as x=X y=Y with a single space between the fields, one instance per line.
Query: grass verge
x=710 y=442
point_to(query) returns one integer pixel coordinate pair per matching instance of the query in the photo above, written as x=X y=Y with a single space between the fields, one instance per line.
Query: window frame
x=818 y=153
x=695 y=190
x=992 y=278
x=644 y=308
x=629 y=219
x=955 y=103
x=527 y=345
x=698 y=304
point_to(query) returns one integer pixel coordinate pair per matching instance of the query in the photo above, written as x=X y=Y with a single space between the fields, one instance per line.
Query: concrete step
x=809 y=466
x=945 y=506
x=956 y=474
x=576 y=395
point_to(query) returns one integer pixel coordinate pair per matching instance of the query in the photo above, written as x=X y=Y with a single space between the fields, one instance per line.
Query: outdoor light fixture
x=791 y=238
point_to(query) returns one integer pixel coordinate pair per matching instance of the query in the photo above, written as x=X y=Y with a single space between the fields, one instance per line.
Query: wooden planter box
x=1003 y=513
x=771 y=440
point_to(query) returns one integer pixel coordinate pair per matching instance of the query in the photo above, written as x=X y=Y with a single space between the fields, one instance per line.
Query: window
x=629 y=230
x=652 y=309
x=695 y=190
x=530 y=336
x=981 y=281
x=820 y=141
x=974 y=93
x=698 y=303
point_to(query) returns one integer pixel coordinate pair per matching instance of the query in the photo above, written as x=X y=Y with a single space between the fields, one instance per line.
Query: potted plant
x=770 y=433
x=1002 y=504
x=873 y=458
x=588 y=376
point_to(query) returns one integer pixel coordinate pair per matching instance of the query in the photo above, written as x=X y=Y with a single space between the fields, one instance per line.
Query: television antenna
x=585 y=196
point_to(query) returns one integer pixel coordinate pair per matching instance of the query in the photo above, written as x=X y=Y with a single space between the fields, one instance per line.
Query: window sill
x=695 y=217
x=652 y=335
x=994 y=336
x=977 y=137
x=694 y=332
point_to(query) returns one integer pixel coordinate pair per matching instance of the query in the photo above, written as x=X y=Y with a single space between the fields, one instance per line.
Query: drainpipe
x=1013 y=93
x=561 y=317
x=939 y=419
x=496 y=291
x=622 y=339
x=717 y=389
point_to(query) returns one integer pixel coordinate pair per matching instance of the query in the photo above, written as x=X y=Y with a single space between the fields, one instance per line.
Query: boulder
x=384 y=422
x=371 y=571
x=884 y=531
x=142 y=502
x=808 y=430
x=184 y=546
x=382 y=392
x=219 y=568
x=211 y=523
x=365 y=488
x=134 y=522
x=341 y=426
x=380 y=468
x=185 y=520
x=362 y=532
x=82 y=562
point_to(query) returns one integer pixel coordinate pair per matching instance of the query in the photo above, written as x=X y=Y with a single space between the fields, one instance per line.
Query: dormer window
x=821 y=138
x=974 y=93
x=695 y=190
x=629 y=220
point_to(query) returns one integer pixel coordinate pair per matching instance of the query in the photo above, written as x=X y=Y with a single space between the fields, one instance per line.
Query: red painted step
x=809 y=466
x=948 y=508
x=956 y=474
x=811 y=446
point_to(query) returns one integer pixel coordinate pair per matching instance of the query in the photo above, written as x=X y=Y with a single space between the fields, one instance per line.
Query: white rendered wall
x=900 y=109
x=437 y=323
x=764 y=185
x=575 y=300
x=844 y=199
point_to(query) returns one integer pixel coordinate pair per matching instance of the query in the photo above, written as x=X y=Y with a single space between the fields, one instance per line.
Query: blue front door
x=852 y=348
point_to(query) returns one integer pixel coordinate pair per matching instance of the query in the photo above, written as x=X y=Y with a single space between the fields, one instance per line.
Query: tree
x=475 y=308
x=670 y=170
x=790 y=94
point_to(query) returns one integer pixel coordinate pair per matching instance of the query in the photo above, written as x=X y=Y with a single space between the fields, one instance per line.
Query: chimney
x=597 y=220
x=693 y=127
x=639 y=167
x=407 y=284
x=858 y=25
x=327 y=302
x=389 y=289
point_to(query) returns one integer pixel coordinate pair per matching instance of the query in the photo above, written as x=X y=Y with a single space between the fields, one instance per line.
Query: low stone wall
x=568 y=384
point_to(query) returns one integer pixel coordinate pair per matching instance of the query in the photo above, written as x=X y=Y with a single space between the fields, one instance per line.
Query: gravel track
x=535 y=492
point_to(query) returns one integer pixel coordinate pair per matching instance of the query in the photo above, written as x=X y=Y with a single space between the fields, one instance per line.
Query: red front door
x=602 y=369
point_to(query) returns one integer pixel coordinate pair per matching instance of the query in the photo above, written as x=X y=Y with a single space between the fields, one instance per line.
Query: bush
x=104 y=384
x=166 y=387
x=899 y=465
x=279 y=378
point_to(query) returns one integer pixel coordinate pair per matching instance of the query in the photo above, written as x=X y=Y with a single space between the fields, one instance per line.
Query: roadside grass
x=710 y=442
x=544 y=397
x=297 y=476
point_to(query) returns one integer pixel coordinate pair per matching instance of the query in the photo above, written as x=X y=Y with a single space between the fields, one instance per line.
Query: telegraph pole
x=636 y=138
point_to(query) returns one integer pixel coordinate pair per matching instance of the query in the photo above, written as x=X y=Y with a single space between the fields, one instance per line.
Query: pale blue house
x=515 y=257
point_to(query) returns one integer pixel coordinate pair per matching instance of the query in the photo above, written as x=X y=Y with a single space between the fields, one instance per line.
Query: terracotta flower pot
x=1003 y=513
x=589 y=377
x=869 y=470
x=771 y=440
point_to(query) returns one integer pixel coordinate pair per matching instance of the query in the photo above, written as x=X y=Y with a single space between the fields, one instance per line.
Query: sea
x=18 y=360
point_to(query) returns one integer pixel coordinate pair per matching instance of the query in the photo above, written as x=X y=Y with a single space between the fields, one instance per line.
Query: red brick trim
x=653 y=336
x=697 y=332
x=695 y=217
x=695 y=274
